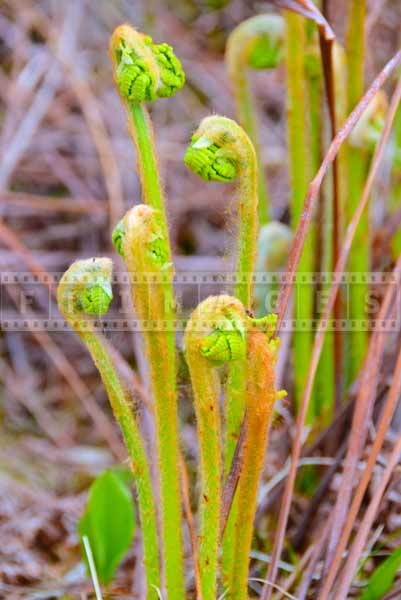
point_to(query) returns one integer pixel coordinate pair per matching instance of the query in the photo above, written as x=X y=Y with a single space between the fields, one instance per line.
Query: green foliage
x=108 y=522
x=383 y=577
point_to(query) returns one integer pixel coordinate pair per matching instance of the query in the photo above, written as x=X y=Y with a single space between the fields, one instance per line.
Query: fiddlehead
x=220 y=150
x=231 y=150
x=257 y=43
x=146 y=252
x=85 y=289
x=215 y=334
x=143 y=70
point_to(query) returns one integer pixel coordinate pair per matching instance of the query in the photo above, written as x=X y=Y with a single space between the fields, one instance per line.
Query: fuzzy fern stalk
x=299 y=167
x=85 y=292
x=144 y=247
x=221 y=151
x=356 y=169
x=257 y=43
x=215 y=335
x=144 y=71
x=261 y=352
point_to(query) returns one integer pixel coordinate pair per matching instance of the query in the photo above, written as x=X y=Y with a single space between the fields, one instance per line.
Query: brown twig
x=369 y=516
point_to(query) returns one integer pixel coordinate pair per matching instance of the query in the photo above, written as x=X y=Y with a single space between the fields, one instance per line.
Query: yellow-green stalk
x=356 y=168
x=221 y=151
x=300 y=168
x=215 y=334
x=144 y=71
x=260 y=396
x=144 y=247
x=257 y=43
x=85 y=292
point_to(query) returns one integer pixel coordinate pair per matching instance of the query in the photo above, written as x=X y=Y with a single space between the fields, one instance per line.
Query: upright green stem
x=221 y=151
x=146 y=253
x=260 y=398
x=256 y=43
x=141 y=130
x=86 y=285
x=322 y=399
x=356 y=172
x=299 y=175
x=144 y=71
x=214 y=335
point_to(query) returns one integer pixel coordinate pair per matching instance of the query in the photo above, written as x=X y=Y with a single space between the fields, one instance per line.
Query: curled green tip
x=117 y=237
x=266 y=52
x=258 y=42
x=95 y=300
x=223 y=346
x=144 y=71
x=172 y=74
x=209 y=161
x=85 y=288
x=145 y=237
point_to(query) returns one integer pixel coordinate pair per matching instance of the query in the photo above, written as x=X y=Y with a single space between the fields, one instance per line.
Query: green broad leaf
x=108 y=522
x=383 y=577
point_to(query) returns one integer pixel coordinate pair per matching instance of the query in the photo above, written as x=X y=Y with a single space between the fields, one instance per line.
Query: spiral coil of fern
x=144 y=247
x=85 y=289
x=257 y=43
x=220 y=150
x=144 y=71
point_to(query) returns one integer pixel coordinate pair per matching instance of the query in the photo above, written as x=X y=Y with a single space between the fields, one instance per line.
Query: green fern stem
x=299 y=175
x=85 y=290
x=260 y=399
x=356 y=171
x=256 y=43
x=146 y=253
x=221 y=151
x=215 y=334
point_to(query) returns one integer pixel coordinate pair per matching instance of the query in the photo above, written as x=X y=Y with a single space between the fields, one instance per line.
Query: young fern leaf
x=220 y=150
x=85 y=289
x=257 y=43
x=215 y=334
x=144 y=71
x=146 y=252
x=219 y=147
